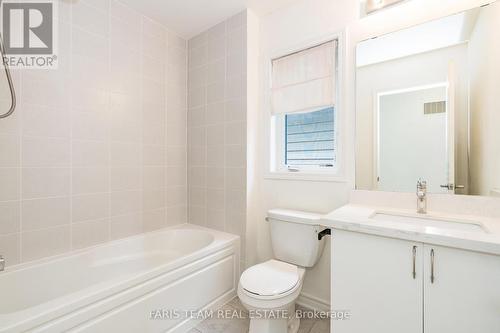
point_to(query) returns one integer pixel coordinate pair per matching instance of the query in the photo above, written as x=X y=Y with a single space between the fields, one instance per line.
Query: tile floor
x=218 y=325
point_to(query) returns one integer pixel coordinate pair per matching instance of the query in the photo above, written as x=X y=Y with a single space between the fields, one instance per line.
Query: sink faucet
x=2 y=263
x=422 y=197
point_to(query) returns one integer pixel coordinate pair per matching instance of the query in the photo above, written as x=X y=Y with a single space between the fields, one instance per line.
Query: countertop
x=358 y=218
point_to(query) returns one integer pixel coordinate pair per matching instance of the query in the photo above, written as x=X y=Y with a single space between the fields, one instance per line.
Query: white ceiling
x=190 y=17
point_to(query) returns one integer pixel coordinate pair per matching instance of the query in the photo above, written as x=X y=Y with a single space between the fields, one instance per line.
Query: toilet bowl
x=269 y=290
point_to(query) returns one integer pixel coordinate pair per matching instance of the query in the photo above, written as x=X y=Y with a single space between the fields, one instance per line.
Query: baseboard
x=313 y=303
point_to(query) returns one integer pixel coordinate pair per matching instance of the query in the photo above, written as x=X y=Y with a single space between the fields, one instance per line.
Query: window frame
x=275 y=127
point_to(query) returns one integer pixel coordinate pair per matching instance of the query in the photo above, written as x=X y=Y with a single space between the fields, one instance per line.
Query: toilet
x=269 y=290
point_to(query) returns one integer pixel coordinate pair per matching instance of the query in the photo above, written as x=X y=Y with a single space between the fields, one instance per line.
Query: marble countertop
x=359 y=218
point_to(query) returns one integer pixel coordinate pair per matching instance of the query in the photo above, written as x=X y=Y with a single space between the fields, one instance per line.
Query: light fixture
x=374 y=5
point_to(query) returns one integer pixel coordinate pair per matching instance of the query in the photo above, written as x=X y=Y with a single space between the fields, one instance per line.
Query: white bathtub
x=116 y=286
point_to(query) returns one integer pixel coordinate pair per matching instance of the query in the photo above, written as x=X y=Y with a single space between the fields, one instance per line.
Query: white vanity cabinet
x=386 y=285
x=372 y=277
x=465 y=295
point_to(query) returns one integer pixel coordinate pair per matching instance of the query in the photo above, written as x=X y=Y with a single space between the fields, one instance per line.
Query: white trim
x=304 y=176
x=313 y=303
x=337 y=174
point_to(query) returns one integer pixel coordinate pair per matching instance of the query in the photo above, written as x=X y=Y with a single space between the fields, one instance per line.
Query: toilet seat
x=270 y=279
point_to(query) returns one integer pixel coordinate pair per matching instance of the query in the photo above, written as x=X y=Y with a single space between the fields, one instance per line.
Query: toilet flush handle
x=324 y=233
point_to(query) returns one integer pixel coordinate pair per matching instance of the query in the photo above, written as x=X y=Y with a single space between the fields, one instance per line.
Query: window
x=303 y=119
x=310 y=139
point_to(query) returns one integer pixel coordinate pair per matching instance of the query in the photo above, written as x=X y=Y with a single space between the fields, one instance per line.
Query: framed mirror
x=428 y=106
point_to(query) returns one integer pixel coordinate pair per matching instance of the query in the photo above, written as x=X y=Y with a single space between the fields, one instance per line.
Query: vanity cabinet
x=372 y=277
x=465 y=295
x=393 y=286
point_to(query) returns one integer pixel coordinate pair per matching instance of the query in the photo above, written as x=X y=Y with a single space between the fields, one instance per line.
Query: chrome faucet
x=2 y=263
x=421 y=197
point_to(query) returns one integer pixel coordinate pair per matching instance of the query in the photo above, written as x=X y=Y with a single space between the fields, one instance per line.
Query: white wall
x=292 y=26
x=409 y=72
x=485 y=116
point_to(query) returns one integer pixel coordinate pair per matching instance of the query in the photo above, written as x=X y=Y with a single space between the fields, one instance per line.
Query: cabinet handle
x=432 y=266
x=414 y=263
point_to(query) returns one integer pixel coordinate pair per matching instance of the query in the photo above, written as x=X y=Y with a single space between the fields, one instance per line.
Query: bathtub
x=123 y=285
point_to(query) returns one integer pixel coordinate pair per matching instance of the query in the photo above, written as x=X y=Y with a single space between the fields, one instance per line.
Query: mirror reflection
x=427 y=106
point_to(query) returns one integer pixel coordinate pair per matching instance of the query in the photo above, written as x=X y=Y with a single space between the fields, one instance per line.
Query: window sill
x=306 y=176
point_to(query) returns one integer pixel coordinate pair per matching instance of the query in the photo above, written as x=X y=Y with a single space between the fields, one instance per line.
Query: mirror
x=428 y=106
x=7 y=96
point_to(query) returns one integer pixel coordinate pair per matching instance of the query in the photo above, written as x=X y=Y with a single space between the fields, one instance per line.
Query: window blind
x=305 y=80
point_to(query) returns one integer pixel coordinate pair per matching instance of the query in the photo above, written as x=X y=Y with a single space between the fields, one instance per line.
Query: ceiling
x=190 y=17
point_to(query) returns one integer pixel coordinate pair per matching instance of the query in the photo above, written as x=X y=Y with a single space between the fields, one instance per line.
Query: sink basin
x=428 y=221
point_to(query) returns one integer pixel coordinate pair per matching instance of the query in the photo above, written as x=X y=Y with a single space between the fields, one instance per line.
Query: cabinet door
x=465 y=294
x=372 y=277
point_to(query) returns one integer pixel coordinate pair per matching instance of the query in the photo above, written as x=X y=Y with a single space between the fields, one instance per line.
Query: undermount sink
x=430 y=221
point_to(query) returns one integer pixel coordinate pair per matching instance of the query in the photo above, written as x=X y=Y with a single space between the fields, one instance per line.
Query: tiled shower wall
x=217 y=127
x=96 y=150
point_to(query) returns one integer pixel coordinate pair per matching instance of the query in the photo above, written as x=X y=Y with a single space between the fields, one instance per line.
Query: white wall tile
x=90 y=233
x=9 y=151
x=125 y=202
x=215 y=199
x=216 y=219
x=198 y=196
x=90 y=180
x=176 y=196
x=215 y=135
x=90 y=141
x=44 y=243
x=126 y=225
x=10 y=217
x=89 y=18
x=153 y=199
x=125 y=13
x=216 y=178
x=45 y=213
x=45 y=182
x=126 y=178
x=176 y=176
x=216 y=49
x=89 y=153
x=90 y=207
x=217 y=126
x=10 y=248
x=10 y=180
x=154 y=220
x=177 y=215
x=44 y=121
x=153 y=28
x=154 y=155
x=45 y=152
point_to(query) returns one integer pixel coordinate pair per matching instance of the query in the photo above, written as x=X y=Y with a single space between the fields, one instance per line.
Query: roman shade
x=304 y=81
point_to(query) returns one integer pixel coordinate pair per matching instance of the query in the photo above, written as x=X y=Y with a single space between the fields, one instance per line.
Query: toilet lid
x=270 y=278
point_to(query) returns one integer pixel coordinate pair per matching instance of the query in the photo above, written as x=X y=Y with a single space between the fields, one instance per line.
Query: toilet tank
x=294 y=236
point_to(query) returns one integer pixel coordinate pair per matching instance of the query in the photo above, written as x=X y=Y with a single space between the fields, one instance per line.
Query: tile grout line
x=70 y=124
x=108 y=127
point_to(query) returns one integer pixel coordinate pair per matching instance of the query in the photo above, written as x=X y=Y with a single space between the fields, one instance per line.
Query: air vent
x=435 y=107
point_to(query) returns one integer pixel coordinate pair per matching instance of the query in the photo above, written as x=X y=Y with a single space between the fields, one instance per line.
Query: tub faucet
x=2 y=263
x=421 y=197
